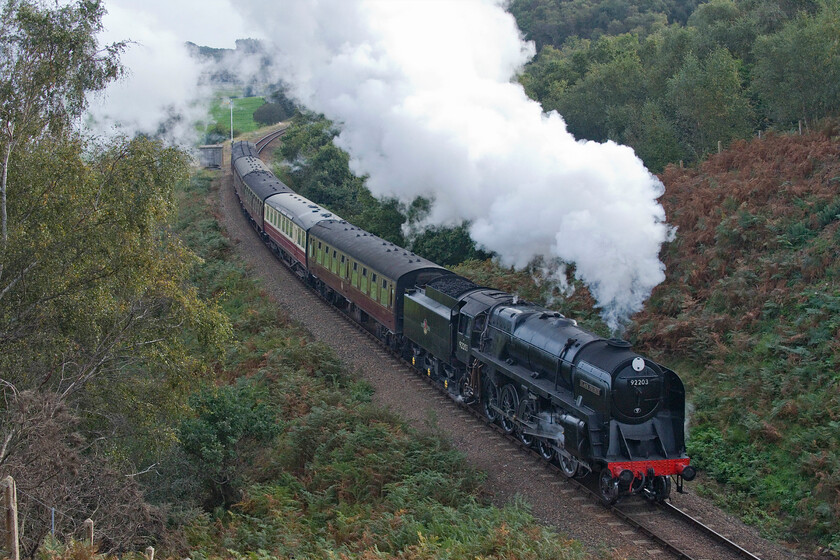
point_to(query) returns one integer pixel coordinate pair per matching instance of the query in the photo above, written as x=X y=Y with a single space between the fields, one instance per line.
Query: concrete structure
x=210 y=156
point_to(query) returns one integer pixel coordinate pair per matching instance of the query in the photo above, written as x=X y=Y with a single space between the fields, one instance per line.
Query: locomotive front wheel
x=662 y=488
x=490 y=400
x=608 y=487
x=508 y=402
x=569 y=465
x=545 y=450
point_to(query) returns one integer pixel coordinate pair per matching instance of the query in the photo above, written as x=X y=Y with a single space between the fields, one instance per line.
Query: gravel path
x=510 y=472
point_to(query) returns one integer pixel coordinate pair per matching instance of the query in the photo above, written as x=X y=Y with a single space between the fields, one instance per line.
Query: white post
x=231 y=120
x=89 y=531
x=10 y=518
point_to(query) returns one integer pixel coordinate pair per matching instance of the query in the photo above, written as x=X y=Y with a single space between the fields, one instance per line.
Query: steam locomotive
x=590 y=404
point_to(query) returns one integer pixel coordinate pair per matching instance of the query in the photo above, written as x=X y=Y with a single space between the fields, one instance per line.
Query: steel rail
x=677 y=512
x=263 y=142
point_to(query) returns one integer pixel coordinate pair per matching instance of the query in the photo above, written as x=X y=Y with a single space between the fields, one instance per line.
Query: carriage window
x=334 y=253
x=364 y=272
x=384 y=283
x=373 y=277
x=342 y=258
x=355 y=266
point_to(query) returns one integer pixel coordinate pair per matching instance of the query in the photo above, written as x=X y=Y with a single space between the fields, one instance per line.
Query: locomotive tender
x=591 y=404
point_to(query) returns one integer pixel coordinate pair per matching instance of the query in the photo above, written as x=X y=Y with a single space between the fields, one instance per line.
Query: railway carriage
x=254 y=183
x=288 y=219
x=368 y=273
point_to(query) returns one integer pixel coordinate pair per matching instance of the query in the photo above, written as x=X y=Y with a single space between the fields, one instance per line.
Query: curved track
x=673 y=531
x=263 y=142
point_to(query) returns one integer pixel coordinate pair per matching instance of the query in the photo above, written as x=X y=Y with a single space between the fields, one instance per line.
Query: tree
x=49 y=62
x=447 y=246
x=710 y=101
x=797 y=69
x=54 y=465
x=271 y=113
x=654 y=137
x=599 y=105
x=105 y=288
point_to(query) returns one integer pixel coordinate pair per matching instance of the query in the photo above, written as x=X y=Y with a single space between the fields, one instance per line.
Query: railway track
x=263 y=142
x=672 y=530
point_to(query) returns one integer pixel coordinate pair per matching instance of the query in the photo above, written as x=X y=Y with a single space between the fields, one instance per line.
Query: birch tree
x=49 y=62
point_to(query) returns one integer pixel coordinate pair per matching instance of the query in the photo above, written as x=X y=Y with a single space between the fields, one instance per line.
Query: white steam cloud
x=424 y=93
x=162 y=93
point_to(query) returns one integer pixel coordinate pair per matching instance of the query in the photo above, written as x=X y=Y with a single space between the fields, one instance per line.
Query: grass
x=243 y=113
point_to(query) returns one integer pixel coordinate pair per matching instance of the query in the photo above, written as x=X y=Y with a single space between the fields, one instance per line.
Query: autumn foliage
x=752 y=299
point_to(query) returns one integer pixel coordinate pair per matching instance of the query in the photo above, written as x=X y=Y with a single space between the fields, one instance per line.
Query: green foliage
x=447 y=246
x=368 y=486
x=106 y=300
x=600 y=104
x=796 y=67
x=271 y=113
x=552 y=22
x=672 y=92
x=709 y=101
x=228 y=422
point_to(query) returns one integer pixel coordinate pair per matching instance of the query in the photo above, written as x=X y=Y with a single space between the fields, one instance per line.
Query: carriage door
x=462 y=347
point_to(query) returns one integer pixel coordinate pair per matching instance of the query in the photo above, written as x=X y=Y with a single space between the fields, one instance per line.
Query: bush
x=271 y=113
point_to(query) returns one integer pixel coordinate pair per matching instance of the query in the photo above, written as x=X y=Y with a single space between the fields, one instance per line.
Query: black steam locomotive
x=589 y=403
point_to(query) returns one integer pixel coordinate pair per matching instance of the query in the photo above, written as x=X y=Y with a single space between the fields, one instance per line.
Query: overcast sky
x=162 y=79
x=204 y=22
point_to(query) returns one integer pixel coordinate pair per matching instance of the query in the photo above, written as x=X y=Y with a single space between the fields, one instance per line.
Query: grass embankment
x=752 y=298
x=340 y=478
x=243 y=116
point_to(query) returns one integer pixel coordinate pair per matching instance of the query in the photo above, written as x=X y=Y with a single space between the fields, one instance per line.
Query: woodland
x=144 y=377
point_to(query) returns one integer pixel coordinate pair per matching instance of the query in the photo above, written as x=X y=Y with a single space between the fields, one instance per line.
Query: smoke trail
x=424 y=94
x=161 y=94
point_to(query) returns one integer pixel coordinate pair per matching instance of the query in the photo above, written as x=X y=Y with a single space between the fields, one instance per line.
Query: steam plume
x=161 y=93
x=424 y=94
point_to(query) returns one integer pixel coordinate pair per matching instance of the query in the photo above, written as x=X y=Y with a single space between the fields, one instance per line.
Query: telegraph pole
x=231 y=119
